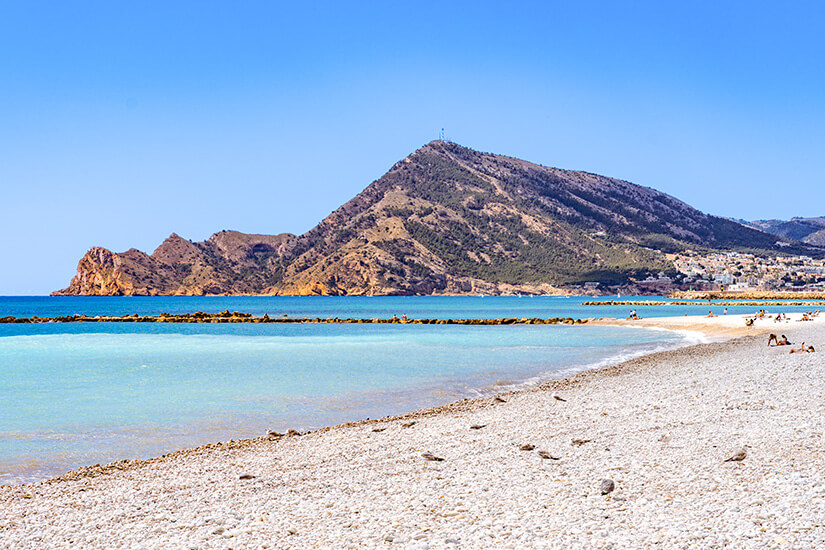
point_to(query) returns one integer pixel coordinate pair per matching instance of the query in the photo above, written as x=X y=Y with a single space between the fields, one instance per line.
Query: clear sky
x=122 y=122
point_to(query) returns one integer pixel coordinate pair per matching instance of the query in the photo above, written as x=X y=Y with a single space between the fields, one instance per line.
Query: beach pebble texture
x=661 y=429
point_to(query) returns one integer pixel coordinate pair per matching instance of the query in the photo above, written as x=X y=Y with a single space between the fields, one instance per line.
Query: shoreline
x=486 y=388
x=464 y=404
x=323 y=458
x=715 y=330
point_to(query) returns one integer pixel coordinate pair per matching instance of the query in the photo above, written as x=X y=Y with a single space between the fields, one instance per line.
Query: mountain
x=806 y=230
x=446 y=219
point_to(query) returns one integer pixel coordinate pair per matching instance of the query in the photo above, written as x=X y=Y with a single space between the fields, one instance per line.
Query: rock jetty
x=237 y=317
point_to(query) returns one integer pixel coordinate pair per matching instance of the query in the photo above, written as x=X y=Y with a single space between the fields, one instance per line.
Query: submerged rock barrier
x=236 y=317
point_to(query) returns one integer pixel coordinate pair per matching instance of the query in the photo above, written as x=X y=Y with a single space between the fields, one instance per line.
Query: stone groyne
x=237 y=317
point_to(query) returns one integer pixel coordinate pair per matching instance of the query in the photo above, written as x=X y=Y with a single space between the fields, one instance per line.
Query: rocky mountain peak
x=445 y=219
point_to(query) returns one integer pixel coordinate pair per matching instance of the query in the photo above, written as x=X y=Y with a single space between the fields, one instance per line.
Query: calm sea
x=77 y=394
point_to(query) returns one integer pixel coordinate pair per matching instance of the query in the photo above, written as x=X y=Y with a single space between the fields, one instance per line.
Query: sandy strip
x=660 y=427
x=717 y=327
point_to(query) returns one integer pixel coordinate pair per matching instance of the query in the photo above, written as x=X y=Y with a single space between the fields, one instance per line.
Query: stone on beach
x=527 y=447
x=738 y=456
x=547 y=456
x=607 y=486
x=477 y=426
x=431 y=457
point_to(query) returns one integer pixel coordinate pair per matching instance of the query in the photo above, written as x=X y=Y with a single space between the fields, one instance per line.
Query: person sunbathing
x=803 y=349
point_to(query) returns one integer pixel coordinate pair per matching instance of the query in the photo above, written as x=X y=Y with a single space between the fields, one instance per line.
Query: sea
x=75 y=394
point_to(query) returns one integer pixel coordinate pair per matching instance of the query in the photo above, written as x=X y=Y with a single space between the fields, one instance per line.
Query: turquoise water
x=431 y=307
x=76 y=394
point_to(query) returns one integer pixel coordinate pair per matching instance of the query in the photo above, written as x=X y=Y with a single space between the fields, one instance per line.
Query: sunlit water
x=76 y=394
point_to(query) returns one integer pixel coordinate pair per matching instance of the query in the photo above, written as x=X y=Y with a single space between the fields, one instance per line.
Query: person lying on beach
x=749 y=323
x=805 y=317
x=710 y=314
x=803 y=349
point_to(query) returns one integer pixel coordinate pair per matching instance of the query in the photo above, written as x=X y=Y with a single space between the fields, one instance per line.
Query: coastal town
x=731 y=271
x=738 y=271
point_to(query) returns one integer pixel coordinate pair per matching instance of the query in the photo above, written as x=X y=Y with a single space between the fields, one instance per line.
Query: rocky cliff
x=228 y=262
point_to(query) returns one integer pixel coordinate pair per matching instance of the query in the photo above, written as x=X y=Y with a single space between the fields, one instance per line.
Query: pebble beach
x=718 y=445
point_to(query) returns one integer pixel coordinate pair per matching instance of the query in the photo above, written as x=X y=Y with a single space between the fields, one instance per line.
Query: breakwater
x=238 y=317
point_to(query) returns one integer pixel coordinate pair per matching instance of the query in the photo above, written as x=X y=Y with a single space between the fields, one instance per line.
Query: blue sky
x=121 y=123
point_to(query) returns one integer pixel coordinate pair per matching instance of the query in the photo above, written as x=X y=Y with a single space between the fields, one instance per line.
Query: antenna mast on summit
x=441 y=135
